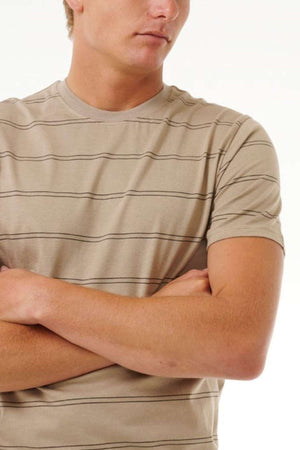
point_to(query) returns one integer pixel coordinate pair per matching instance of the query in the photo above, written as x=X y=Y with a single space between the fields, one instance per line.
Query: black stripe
x=125 y=156
x=100 y=238
x=265 y=213
x=257 y=142
x=30 y=100
x=116 y=401
x=133 y=192
x=73 y=403
x=249 y=178
x=39 y=100
x=182 y=441
x=245 y=146
x=83 y=120
x=183 y=100
x=224 y=218
x=242 y=214
x=125 y=396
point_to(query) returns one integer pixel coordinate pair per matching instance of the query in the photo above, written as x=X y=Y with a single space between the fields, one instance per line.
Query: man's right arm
x=33 y=356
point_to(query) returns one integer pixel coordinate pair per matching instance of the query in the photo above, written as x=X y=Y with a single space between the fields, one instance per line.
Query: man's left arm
x=223 y=335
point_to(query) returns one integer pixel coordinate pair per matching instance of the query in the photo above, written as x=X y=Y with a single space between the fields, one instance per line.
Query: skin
x=44 y=356
x=113 y=68
x=22 y=291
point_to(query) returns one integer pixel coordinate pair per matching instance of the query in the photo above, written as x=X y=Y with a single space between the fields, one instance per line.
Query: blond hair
x=70 y=18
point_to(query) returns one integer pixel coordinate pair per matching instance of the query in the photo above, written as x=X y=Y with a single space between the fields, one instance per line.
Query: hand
x=193 y=282
x=20 y=291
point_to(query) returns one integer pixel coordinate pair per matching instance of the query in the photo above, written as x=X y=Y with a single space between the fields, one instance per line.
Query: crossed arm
x=225 y=335
x=33 y=356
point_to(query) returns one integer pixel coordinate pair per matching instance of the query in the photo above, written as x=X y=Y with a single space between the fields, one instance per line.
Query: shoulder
x=222 y=120
x=14 y=110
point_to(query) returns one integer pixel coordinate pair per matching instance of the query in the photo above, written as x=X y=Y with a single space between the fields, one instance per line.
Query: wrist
x=46 y=293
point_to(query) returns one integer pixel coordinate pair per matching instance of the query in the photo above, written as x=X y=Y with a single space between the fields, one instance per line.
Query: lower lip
x=151 y=38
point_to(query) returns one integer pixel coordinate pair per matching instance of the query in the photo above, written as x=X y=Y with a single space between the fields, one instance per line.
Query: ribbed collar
x=85 y=109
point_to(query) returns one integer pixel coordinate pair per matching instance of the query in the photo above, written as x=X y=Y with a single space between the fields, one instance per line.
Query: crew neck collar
x=83 y=108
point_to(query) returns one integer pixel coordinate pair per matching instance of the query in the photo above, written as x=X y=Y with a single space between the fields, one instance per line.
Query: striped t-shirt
x=125 y=201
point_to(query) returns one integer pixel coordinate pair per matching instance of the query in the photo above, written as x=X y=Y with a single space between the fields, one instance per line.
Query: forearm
x=188 y=337
x=32 y=356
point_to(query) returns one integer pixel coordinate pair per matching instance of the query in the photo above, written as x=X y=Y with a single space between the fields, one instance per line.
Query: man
x=114 y=185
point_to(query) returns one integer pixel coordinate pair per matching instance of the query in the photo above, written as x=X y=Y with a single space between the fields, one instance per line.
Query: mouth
x=155 y=36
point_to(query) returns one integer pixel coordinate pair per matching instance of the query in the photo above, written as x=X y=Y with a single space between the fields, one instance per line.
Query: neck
x=109 y=87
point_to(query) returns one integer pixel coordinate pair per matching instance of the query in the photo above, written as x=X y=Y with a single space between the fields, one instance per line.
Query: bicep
x=246 y=272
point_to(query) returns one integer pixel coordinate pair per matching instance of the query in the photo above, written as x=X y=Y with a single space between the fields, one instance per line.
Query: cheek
x=185 y=13
x=96 y=25
x=95 y=36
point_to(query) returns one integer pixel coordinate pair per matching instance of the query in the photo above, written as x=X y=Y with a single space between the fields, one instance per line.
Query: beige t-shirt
x=125 y=201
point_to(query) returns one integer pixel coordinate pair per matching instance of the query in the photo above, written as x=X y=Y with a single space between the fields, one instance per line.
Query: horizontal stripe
x=247 y=145
x=247 y=178
x=81 y=121
x=117 y=399
x=225 y=215
x=93 y=239
x=141 y=444
x=115 y=195
x=103 y=155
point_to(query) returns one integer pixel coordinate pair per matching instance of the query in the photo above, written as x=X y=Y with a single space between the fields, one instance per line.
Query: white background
x=243 y=55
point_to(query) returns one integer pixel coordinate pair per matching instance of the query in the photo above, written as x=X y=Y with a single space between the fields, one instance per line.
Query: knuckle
x=194 y=271
x=203 y=283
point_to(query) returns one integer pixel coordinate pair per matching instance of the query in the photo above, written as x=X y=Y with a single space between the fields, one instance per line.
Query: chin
x=147 y=64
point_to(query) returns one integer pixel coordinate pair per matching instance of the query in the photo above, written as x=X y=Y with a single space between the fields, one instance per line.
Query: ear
x=76 y=5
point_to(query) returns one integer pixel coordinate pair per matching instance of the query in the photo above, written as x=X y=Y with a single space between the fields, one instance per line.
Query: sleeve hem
x=245 y=232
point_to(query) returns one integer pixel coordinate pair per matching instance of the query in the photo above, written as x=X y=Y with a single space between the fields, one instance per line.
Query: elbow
x=251 y=364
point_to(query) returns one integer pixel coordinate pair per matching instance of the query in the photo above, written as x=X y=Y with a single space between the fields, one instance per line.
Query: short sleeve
x=247 y=199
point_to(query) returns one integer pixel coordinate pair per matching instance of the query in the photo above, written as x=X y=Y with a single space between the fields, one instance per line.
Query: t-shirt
x=124 y=202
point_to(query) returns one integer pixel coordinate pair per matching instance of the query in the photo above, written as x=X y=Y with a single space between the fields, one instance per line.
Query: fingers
x=195 y=273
